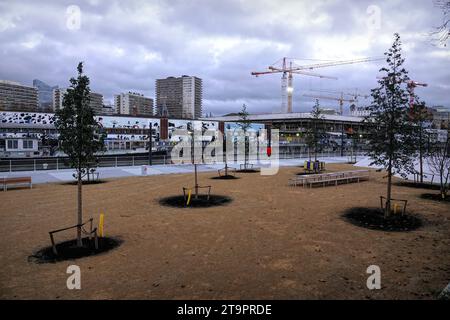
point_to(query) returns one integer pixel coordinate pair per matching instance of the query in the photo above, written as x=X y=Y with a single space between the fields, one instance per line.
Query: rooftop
x=283 y=116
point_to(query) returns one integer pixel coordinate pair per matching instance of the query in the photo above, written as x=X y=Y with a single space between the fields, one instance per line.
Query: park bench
x=15 y=181
x=324 y=179
x=248 y=166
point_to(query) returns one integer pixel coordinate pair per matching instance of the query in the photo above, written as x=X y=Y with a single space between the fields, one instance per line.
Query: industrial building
x=17 y=97
x=179 y=97
x=132 y=103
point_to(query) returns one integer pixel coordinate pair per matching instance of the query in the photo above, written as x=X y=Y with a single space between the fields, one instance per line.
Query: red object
x=269 y=151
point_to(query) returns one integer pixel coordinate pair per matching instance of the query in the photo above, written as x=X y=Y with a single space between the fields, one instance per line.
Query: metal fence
x=35 y=164
x=38 y=164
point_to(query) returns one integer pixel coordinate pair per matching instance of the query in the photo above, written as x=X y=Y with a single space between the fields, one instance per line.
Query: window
x=28 y=144
x=13 y=144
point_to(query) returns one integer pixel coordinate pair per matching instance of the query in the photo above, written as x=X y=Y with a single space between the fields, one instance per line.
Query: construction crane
x=340 y=99
x=354 y=96
x=411 y=85
x=288 y=68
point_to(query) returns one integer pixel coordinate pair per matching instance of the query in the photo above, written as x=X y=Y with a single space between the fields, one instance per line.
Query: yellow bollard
x=395 y=207
x=189 y=197
x=101 y=221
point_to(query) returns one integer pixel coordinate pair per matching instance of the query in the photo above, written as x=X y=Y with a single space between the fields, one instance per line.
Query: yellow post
x=101 y=221
x=189 y=197
x=395 y=207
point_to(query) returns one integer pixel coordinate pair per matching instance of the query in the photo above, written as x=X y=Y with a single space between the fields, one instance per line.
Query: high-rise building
x=45 y=95
x=181 y=97
x=96 y=100
x=134 y=104
x=17 y=97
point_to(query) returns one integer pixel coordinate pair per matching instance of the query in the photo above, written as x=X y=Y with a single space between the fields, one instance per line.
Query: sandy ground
x=272 y=242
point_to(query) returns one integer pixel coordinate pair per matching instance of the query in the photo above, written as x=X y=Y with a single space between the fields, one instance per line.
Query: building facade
x=45 y=95
x=440 y=117
x=17 y=97
x=180 y=97
x=133 y=103
x=96 y=100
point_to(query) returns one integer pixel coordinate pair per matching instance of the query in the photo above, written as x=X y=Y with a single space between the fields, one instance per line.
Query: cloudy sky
x=126 y=45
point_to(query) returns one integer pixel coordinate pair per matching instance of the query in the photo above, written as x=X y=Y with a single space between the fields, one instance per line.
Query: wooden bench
x=14 y=181
x=330 y=178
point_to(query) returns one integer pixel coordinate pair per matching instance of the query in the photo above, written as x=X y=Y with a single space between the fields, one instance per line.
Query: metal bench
x=15 y=181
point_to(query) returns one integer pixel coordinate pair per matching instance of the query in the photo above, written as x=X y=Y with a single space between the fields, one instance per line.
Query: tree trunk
x=246 y=152
x=196 y=182
x=80 y=209
x=387 y=210
x=420 y=156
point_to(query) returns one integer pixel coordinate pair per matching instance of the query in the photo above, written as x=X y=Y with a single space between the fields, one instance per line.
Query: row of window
x=14 y=144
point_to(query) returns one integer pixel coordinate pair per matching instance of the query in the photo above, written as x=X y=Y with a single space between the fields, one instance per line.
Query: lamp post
x=150 y=144
x=192 y=133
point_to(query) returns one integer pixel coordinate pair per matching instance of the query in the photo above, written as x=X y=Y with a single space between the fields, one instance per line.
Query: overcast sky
x=126 y=45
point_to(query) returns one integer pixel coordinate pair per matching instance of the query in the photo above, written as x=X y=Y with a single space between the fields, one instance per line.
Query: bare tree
x=441 y=33
x=439 y=163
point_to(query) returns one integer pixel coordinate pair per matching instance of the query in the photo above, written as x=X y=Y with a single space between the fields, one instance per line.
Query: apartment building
x=180 y=97
x=133 y=103
x=96 y=100
x=17 y=97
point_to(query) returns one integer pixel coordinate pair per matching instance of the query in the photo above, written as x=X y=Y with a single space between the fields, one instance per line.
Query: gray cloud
x=126 y=45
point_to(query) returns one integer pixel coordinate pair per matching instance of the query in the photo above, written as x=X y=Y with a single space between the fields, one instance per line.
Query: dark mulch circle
x=248 y=170
x=418 y=185
x=68 y=250
x=75 y=183
x=373 y=218
x=227 y=177
x=201 y=202
x=435 y=197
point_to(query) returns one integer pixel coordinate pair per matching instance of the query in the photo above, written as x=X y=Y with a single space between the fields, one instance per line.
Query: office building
x=133 y=103
x=17 y=97
x=45 y=95
x=181 y=97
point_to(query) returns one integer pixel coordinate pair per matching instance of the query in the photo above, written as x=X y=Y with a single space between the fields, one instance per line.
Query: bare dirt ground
x=272 y=242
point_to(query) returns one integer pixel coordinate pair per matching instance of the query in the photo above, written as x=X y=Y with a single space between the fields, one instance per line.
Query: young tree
x=391 y=143
x=420 y=116
x=439 y=163
x=79 y=133
x=315 y=134
x=245 y=124
x=224 y=150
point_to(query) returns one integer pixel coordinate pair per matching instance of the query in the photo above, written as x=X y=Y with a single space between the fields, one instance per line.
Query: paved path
x=49 y=176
